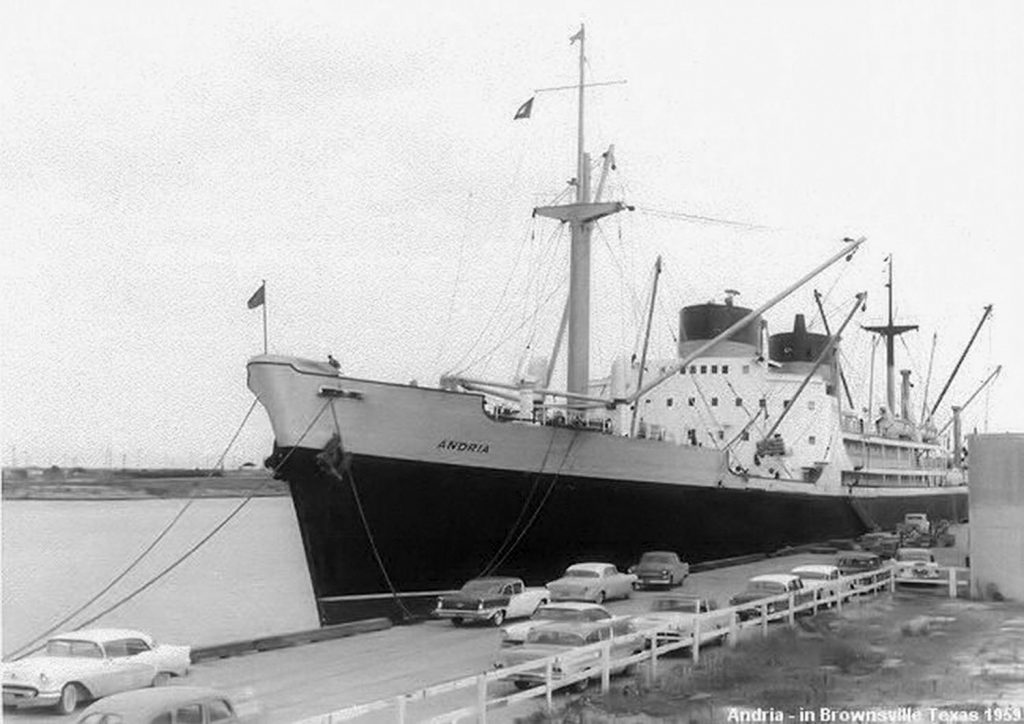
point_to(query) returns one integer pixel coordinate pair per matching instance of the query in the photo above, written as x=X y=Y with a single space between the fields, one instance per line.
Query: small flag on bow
x=259 y=297
x=524 y=110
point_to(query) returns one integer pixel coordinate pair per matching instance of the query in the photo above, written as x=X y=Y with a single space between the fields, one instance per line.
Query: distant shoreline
x=55 y=484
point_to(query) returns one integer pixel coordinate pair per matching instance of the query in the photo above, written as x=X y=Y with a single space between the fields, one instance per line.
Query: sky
x=158 y=161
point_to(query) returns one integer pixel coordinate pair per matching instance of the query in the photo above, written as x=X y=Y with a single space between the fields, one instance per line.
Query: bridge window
x=693 y=369
x=691 y=401
x=703 y=369
x=762 y=403
x=668 y=402
x=745 y=435
x=714 y=369
x=714 y=402
x=746 y=369
x=811 y=440
x=725 y=369
x=785 y=404
x=739 y=402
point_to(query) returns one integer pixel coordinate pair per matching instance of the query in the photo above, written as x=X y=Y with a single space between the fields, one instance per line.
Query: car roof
x=658 y=553
x=857 y=554
x=591 y=566
x=153 y=700
x=578 y=627
x=102 y=635
x=495 y=579
x=914 y=550
x=814 y=568
x=774 y=578
x=678 y=597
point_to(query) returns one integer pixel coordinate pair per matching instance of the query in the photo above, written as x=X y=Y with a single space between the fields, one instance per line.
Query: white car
x=816 y=576
x=915 y=563
x=595 y=582
x=672 y=617
x=90 y=664
x=562 y=612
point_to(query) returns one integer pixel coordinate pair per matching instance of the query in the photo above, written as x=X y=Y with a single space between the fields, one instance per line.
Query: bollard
x=792 y=608
x=892 y=582
x=606 y=667
x=764 y=620
x=400 y=708
x=695 y=650
x=481 y=698
x=734 y=629
x=654 y=656
x=952 y=582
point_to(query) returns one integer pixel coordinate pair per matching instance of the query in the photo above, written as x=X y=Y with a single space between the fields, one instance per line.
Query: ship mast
x=581 y=216
x=890 y=332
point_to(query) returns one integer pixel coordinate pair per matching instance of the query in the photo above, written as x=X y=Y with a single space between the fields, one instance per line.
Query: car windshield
x=913 y=556
x=478 y=588
x=553 y=613
x=76 y=649
x=581 y=573
x=675 y=604
x=557 y=638
x=766 y=587
x=656 y=558
x=813 y=575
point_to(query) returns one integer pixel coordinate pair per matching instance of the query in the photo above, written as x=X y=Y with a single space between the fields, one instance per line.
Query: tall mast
x=890 y=332
x=581 y=217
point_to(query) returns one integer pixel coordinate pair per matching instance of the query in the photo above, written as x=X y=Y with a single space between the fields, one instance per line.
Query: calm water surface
x=250 y=579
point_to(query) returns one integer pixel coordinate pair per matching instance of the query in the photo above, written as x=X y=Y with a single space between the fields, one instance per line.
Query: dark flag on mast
x=524 y=110
x=259 y=297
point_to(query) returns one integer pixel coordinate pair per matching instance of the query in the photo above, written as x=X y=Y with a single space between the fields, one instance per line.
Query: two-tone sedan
x=660 y=568
x=672 y=616
x=770 y=585
x=561 y=612
x=90 y=664
x=915 y=563
x=490 y=599
x=181 y=704
x=595 y=582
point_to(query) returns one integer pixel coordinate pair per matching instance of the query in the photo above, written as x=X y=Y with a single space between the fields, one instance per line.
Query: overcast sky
x=159 y=160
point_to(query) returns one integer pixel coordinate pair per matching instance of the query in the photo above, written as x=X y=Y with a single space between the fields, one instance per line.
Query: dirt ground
x=913 y=656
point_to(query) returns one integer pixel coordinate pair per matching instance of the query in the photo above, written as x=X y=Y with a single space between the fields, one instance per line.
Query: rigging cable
x=145 y=552
x=181 y=559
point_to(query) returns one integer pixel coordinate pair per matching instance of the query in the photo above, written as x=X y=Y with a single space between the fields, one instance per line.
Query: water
x=249 y=580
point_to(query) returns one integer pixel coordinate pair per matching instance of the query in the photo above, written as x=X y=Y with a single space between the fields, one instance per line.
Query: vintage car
x=856 y=562
x=660 y=568
x=563 y=639
x=671 y=617
x=770 y=585
x=563 y=611
x=167 y=704
x=915 y=563
x=817 y=577
x=490 y=599
x=880 y=543
x=90 y=664
x=595 y=582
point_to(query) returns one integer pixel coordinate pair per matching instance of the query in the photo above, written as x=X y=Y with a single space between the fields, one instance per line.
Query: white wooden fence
x=553 y=673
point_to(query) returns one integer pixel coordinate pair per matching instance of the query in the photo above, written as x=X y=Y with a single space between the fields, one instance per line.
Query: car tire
x=457 y=621
x=69 y=699
x=498 y=618
x=161 y=679
x=600 y=598
x=524 y=685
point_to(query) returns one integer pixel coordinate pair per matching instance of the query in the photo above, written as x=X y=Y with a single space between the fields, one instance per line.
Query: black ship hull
x=384 y=536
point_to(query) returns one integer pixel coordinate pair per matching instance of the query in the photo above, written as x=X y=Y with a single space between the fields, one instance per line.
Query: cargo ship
x=741 y=442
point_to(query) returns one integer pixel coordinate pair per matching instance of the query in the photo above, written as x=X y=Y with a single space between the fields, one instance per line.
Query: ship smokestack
x=957 y=440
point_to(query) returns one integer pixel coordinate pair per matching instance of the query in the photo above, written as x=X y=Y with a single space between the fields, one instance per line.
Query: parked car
x=770 y=585
x=167 y=704
x=882 y=544
x=562 y=639
x=672 y=616
x=858 y=562
x=915 y=563
x=564 y=611
x=490 y=599
x=817 y=577
x=918 y=522
x=90 y=664
x=660 y=568
x=595 y=582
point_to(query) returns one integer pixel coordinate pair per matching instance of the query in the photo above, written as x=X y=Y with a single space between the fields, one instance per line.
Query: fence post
x=764 y=619
x=481 y=698
x=695 y=649
x=952 y=582
x=792 y=608
x=400 y=708
x=654 y=656
x=547 y=683
x=606 y=666
x=892 y=581
x=734 y=629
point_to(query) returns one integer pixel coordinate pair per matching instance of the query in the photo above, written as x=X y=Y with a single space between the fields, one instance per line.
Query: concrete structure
x=997 y=515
